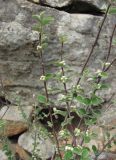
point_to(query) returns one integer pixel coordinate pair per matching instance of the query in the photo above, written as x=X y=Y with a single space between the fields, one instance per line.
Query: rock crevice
x=73 y=7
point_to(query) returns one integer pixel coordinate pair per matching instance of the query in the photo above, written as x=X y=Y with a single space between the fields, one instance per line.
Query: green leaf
x=44 y=45
x=68 y=155
x=62 y=113
x=36 y=17
x=49 y=76
x=104 y=75
x=49 y=124
x=87 y=101
x=94 y=149
x=112 y=10
x=81 y=112
x=36 y=28
x=96 y=112
x=46 y=20
x=42 y=99
x=95 y=100
x=80 y=99
x=2 y=123
x=87 y=139
x=90 y=121
x=114 y=42
x=85 y=153
x=83 y=100
x=43 y=19
x=77 y=150
x=105 y=86
x=68 y=121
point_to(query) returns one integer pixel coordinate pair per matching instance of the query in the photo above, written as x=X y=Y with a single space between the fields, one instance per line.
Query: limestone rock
x=20 y=35
x=106 y=156
x=16 y=150
x=3 y=156
x=44 y=146
x=19 y=64
x=15 y=122
x=12 y=128
x=57 y=3
x=101 y=4
x=20 y=152
x=101 y=138
x=108 y=118
x=15 y=113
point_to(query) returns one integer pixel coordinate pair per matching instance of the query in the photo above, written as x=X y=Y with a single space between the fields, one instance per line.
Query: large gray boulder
x=20 y=67
x=101 y=4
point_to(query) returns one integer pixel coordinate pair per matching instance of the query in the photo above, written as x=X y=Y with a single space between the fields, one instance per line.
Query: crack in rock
x=73 y=7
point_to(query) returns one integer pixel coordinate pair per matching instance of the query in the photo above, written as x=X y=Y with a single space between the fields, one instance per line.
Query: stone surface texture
x=3 y=156
x=44 y=149
x=15 y=113
x=101 y=4
x=14 y=120
x=20 y=68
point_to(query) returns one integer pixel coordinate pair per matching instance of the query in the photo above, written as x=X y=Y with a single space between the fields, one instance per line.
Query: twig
x=67 y=103
x=4 y=112
x=47 y=96
x=2 y=86
x=110 y=47
x=110 y=140
x=106 y=69
x=94 y=45
x=109 y=51
x=64 y=84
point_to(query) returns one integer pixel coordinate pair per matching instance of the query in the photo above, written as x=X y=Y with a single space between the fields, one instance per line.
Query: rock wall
x=20 y=68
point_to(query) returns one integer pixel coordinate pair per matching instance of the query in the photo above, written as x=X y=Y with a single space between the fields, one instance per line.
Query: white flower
x=62 y=63
x=87 y=132
x=36 y=1
x=43 y=78
x=98 y=71
x=64 y=79
x=78 y=146
x=77 y=132
x=99 y=86
x=90 y=79
x=107 y=63
x=73 y=107
x=61 y=97
x=61 y=133
x=39 y=47
x=78 y=87
x=68 y=148
x=54 y=109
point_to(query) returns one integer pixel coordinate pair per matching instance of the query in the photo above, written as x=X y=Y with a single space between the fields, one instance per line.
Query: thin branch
x=47 y=96
x=110 y=47
x=106 y=69
x=64 y=84
x=110 y=140
x=109 y=52
x=67 y=103
x=94 y=45
x=4 y=112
